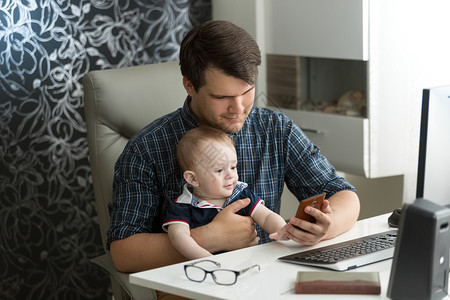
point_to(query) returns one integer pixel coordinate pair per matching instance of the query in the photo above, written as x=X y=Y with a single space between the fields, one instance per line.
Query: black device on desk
x=420 y=269
x=394 y=218
x=434 y=144
x=434 y=159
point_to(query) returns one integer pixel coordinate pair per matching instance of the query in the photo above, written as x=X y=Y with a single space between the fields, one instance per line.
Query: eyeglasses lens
x=225 y=277
x=195 y=274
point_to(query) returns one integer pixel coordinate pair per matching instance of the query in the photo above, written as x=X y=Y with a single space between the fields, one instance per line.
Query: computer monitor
x=433 y=180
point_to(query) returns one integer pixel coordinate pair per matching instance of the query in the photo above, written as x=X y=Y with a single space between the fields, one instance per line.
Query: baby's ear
x=190 y=178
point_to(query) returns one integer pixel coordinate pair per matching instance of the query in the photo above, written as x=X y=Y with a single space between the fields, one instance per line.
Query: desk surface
x=274 y=281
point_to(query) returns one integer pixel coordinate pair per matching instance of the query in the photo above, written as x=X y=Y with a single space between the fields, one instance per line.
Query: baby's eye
x=219 y=170
x=233 y=167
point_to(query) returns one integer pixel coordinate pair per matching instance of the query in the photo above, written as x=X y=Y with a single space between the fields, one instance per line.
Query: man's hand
x=228 y=230
x=310 y=233
x=336 y=216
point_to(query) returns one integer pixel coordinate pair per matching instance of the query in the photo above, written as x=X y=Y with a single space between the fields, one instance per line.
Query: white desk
x=274 y=281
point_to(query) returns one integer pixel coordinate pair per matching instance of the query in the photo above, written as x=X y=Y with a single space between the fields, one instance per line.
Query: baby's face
x=216 y=171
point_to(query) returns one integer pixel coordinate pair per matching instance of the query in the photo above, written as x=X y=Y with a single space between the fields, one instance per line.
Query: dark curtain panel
x=48 y=229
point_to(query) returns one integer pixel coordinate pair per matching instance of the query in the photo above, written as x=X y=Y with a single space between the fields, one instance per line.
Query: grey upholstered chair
x=118 y=103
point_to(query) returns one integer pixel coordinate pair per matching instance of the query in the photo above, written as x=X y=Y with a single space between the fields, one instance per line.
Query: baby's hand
x=279 y=235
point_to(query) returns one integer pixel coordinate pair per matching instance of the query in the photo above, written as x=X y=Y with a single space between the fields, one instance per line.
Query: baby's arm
x=180 y=237
x=271 y=222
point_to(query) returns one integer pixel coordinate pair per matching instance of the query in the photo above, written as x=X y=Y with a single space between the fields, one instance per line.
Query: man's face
x=224 y=102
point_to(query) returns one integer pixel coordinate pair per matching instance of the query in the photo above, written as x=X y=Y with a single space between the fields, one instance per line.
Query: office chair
x=118 y=103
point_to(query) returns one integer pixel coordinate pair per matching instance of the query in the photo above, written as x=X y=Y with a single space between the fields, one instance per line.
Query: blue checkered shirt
x=271 y=150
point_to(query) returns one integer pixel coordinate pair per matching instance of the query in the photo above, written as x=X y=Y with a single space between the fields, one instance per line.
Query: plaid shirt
x=271 y=150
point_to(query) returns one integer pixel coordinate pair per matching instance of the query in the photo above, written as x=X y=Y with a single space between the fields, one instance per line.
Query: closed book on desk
x=329 y=282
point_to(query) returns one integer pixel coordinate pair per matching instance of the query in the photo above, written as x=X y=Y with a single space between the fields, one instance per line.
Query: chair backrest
x=118 y=103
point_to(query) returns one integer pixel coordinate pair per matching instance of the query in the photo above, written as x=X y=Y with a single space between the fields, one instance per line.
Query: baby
x=208 y=160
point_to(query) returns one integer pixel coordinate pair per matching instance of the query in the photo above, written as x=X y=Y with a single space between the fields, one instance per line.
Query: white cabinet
x=382 y=33
x=347 y=151
x=332 y=29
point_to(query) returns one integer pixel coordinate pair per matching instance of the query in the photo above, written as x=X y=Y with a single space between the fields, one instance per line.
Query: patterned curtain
x=48 y=229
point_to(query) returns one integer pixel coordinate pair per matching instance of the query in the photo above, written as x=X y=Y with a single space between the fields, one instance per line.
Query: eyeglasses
x=220 y=276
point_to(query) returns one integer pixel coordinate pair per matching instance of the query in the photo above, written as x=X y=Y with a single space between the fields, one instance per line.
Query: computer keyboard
x=350 y=254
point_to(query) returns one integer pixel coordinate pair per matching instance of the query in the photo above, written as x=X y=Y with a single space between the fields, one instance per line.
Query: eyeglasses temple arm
x=205 y=260
x=246 y=269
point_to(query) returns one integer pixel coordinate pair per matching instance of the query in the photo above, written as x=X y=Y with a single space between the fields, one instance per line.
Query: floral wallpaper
x=48 y=229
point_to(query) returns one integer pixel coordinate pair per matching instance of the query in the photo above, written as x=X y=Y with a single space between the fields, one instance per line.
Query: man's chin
x=232 y=128
x=228 y=128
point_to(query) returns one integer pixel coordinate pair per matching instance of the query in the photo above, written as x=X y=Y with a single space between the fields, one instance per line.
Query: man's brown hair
x=222 y=45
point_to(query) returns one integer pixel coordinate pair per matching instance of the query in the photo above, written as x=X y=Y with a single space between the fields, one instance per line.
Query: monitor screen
x=433 y=180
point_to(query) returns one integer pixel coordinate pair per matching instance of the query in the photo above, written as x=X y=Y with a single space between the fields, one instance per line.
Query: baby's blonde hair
x=192 y=145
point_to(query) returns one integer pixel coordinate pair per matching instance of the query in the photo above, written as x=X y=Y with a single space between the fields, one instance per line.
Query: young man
x=219 y=64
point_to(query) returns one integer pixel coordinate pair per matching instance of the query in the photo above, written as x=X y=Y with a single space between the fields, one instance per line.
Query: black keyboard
x=350 y=254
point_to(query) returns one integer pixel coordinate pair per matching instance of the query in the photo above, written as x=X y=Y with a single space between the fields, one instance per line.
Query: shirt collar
x=187 y=114
x=188 y=198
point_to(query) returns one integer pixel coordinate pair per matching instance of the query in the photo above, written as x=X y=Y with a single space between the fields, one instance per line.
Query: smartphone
x=314 y=201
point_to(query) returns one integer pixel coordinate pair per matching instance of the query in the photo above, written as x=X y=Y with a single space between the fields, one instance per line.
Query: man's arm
x=337 y=215
x=143 y=251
